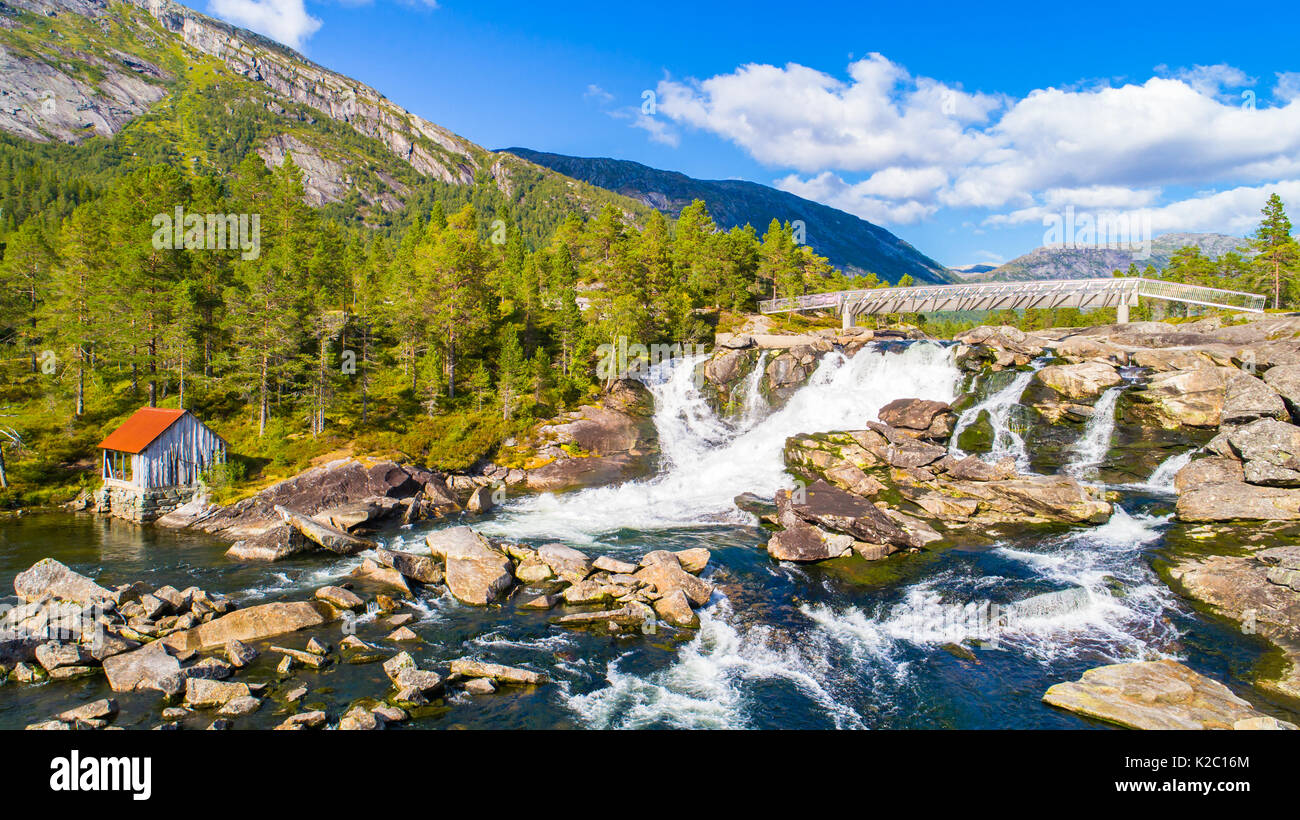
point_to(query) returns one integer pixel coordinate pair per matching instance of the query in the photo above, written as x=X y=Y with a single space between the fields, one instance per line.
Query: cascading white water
x=1006 y=442
x=1088 y=564
x=706 y=463
x=1162 y=480
x=755 y=406
x=1091 y=448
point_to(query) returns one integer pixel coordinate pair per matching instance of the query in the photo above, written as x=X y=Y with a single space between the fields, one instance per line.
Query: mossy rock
x=978 y=437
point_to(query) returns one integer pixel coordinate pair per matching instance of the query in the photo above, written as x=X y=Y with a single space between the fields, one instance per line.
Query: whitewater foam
x=707 y=463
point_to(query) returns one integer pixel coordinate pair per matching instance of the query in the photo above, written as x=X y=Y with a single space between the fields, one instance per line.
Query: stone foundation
x=135 y=504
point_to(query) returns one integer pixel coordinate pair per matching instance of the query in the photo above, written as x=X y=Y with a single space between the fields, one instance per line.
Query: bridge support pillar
x=1122 y=313
x=847 y=319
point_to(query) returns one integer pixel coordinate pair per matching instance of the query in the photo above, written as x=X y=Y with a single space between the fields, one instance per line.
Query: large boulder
x=1212 y=470
x=1285 y=380
x=48 y=578
x=1230 y=501
x=925 y=418
x=273 y=544
x=1268 y=440
x=1182 y=398
x=831 y=508
x=1248 y=398
x=566 y=562
x=1157 y=695
x=1077 y=381
x=151 y=666
x=1076 y=349
x=1035 y=499
x=253 y=624
x=476 y=573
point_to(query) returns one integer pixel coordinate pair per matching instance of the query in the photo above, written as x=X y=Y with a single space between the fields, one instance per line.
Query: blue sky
x=959 y=128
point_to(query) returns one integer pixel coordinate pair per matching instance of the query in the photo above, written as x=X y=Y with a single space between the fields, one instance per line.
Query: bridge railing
x=1133 y=287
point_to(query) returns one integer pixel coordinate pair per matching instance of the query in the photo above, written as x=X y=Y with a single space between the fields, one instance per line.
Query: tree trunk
x=261 y=420
x=81 y=379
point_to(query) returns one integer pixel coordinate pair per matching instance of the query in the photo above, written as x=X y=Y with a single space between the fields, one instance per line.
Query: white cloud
x=1234 y=211
x=286 y=21
x=858 y=199
x=597 y=93
x=898 y=146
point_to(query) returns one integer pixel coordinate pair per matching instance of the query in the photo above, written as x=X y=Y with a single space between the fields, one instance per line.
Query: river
x=842 y=644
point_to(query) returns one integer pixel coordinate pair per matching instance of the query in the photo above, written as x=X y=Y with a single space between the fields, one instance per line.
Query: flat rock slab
x=496 y=672
x=331 y=538
x=1157 y=695
x=253 y=624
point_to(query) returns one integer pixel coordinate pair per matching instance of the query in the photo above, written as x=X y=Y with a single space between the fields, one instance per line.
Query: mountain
x=141 y=81
x=967 y=272
x=853 y=244
x=1093 y=263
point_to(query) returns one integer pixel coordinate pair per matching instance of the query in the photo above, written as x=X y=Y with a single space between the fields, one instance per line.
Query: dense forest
x=298 y=332
x=430 y=334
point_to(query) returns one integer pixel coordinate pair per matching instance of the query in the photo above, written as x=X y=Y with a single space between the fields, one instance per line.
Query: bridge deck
x=1080 y=293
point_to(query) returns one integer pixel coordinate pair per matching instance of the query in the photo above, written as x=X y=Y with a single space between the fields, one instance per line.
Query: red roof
x=139 y=431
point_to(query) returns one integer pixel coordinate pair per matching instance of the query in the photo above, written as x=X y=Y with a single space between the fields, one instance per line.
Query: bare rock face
x=476 y=573
x=41 y=102
x=1157 y=695
x=1078 y=349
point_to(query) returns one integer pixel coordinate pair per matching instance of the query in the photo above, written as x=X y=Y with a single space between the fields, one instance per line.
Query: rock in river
x=1157 y=695
x=476 y=573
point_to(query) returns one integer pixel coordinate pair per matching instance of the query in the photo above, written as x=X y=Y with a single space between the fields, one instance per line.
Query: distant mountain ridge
x=852 y=244
x=1094 y=263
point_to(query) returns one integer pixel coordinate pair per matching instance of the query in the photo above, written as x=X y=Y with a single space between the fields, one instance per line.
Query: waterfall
x=1091 y=448
x=1162 y=480
x=707 y=463
x=1006 y=442
x=754 y=404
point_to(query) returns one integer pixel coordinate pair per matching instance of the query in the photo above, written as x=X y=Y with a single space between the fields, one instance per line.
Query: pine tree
x=1277 y=254
x=24 y=274
x=75 y=312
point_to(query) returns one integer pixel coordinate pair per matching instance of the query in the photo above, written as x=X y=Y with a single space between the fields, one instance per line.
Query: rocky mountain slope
x=1092 y=263
x=853 y=244
x=138 y=70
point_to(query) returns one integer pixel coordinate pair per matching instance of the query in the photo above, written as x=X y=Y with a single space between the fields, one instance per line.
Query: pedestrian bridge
x=1077 y=293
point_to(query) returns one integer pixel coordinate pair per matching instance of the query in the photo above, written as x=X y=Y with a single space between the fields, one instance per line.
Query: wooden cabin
x=158 y=449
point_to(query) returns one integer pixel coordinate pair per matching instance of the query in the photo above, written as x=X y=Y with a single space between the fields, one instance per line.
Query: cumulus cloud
x=286 y=21
x=885 y=142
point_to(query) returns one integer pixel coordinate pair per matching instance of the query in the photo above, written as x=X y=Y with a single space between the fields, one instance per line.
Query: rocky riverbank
x=194 y=648
x=918 y=476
